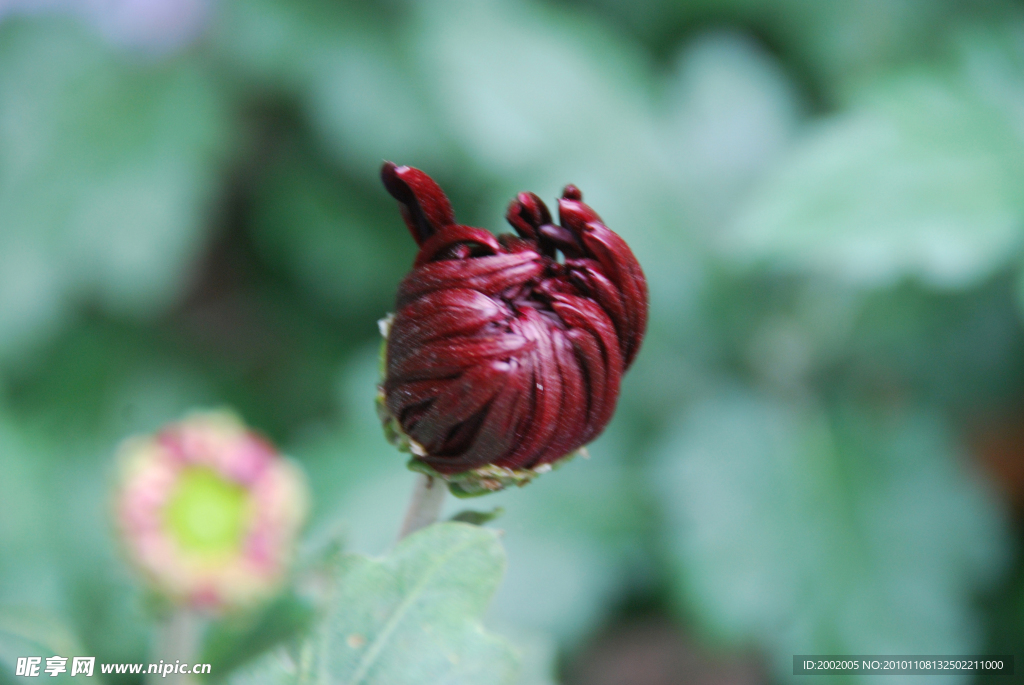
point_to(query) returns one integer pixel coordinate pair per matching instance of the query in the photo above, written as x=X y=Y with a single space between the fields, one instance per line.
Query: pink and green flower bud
x=209 y=511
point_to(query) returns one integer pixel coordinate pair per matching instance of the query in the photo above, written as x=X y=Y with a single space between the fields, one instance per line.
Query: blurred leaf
x=921 y=179
x=236 y=640
x=28 y=575
x=25 y=632
x=101 y=381
x=832 y=45
x=369 y=102
x=44 y=631
x=963 y=350
x=107 y=604
x=730 y=111
x=1005 y=619
x=481 y=60
x=583 y=520
x=413 y=617
x=960 y=350
x=808 y=535
x=349 y=68
x=843 y=42
x=277 y=668
x=409 y=618
x=107 y=177
x=539 y=656
x=275 y=42
x=347 y=250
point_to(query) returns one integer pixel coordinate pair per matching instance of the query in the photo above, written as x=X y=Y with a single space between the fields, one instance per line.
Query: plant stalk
x=178 y=641
x=425 y=506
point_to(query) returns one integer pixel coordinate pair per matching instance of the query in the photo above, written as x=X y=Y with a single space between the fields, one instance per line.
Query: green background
x=820 y=449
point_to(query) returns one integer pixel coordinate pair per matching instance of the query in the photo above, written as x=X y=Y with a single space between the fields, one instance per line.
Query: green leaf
x=41 y=629
x=236 y=640
x=27 y=633
x=922 y=178
x=539 y=657
x=109 y=170
x=277 y=668
x=809 y=534
x=412 y=617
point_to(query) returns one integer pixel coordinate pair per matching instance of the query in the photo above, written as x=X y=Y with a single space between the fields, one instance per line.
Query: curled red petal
x=488 y=275
x=623 y=270
x=479 y=242
x=573 y=213
x=527 y=213
x=425 y=207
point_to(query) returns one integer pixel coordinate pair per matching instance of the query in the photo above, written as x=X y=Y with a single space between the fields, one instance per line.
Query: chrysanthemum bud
x=505 y=353
x=209 y=511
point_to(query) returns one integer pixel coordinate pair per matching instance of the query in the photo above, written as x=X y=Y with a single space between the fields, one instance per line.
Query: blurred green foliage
x=416 y=611
x=827 y=199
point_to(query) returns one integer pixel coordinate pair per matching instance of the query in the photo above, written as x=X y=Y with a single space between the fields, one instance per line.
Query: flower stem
x=425 y=505
x=178 y=641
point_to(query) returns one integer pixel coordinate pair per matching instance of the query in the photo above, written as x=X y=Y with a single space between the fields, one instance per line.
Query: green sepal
x=490 y=478
x=478 y=518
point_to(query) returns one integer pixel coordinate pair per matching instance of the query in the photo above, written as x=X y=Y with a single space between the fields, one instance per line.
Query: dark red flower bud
x=499 y=354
